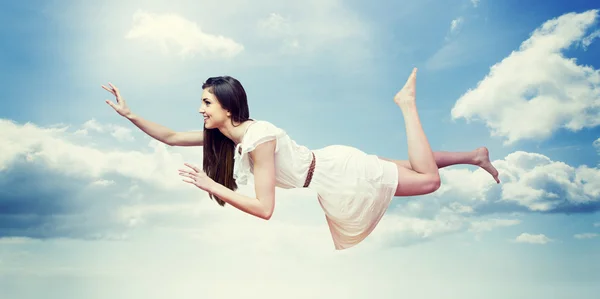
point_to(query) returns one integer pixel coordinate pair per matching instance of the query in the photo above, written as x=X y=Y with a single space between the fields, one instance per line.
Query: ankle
x=408 y=107
x=479 y=155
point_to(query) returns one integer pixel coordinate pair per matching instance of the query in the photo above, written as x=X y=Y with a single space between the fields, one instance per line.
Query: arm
x=264 y=183
x=166 y=135
x=154 y=130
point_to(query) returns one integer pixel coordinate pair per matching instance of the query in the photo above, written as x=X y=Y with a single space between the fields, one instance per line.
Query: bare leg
x=478 y=157
x=423 y=177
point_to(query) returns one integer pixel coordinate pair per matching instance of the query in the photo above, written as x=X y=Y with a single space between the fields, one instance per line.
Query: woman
x=354 y=188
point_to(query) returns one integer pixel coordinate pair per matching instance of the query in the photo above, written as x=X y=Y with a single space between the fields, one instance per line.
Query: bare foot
x=405 y=98
x=482 y=160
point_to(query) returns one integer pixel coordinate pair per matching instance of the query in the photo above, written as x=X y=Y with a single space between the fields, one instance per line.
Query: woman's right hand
x=121 y=107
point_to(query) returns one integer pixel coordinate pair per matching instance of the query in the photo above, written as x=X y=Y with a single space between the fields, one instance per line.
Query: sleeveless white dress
x=354 y=188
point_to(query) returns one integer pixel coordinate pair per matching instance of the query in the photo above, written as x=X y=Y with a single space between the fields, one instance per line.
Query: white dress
x=354 y=188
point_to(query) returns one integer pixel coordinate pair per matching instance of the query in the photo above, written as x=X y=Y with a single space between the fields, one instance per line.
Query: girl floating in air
x=354 y=188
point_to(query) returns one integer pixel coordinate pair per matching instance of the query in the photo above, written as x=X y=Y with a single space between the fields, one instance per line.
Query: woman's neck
x=236 y=131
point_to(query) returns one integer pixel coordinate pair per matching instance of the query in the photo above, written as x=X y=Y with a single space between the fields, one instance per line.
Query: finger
x=116 y=89
x=111 y=104
x=192 y=167
x=108 y=89
x=186 y=175
x=111 y=89
x=188 y=181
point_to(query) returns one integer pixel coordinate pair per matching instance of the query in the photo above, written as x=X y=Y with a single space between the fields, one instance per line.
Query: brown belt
x=311 y=170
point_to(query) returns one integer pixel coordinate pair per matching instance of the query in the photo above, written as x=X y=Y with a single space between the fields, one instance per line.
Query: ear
x=228 y=113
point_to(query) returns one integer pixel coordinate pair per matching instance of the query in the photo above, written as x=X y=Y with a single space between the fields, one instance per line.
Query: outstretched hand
x=120 y=106
x=197 y=177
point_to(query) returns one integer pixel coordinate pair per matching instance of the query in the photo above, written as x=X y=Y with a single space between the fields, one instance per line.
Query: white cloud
x=123 y=134
x=118 y=132
x=536 y=91
x=597 y=224
x=475 y=3
x=533 y=239
x=92 y=125
x=395 y=229
x=491 y=224
x=405 y=226
x=102 y=269
x=596 y=145
x=169 y=29
x=456 y=24
x=130 y=189
x=313 y=26
x=52 y=148
x=585 y=236
x=587 y=41
x=185 y=228
x=136 y=207
x=103 y=183
x=276 y=26
x=15 y=240
x=529 y=180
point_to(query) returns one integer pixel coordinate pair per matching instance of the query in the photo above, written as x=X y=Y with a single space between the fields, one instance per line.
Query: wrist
x=129 y=116
x=213 y=187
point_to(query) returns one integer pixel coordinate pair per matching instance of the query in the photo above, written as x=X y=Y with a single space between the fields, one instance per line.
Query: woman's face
x=214 y=114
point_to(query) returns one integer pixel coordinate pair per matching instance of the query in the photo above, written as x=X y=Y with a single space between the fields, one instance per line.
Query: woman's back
x=292 y=160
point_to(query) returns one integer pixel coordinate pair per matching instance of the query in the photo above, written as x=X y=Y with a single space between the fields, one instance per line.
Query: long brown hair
x=219 y=150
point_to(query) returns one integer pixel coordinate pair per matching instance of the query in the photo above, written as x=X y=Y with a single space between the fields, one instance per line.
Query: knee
x=434 y=183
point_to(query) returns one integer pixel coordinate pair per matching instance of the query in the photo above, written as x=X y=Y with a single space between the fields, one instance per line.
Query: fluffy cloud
x=56 y=150
x=540 y=239
x=167 y=29
x=427 y=218
x=397 y=229
x=119 y=132
x=312 y=26
x=585 y=236
x=536 y=91
x=54 y=179
x=587 y=41
x=54 y=186
x=491 y=224
x=55 y=183
x=530 y=182
x=456 y=24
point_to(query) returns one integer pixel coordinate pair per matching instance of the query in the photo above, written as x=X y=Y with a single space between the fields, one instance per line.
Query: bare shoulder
x=191 y=138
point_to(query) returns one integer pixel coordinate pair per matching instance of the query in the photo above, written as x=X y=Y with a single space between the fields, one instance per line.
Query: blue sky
x=91 y=207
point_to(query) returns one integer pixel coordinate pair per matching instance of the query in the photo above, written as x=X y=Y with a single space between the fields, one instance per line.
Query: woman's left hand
x=197 y=177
